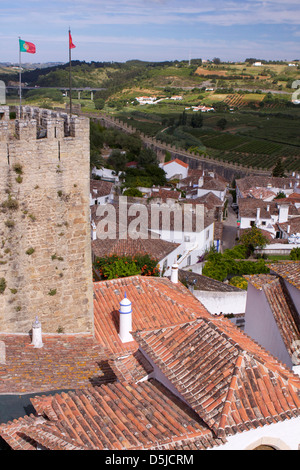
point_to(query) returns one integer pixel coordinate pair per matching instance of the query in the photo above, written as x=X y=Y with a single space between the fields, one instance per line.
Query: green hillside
x=253 y=122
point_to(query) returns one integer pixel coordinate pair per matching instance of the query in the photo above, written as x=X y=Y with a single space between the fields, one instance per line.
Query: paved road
x=229 y=228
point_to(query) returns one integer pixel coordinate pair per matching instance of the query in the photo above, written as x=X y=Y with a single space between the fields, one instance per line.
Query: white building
x=101 y=192
x=175 y=169
x=272 y=315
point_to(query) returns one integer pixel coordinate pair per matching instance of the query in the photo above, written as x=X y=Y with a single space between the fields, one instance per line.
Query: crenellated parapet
x=45 y=250
x=31 y=123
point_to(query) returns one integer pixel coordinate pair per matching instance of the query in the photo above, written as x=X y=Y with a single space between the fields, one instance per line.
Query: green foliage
x=10 y=204
x=295 y=254
x=30 y=251
x=239 y=281
x=52 y=94
x=222 y=123
x=18 y=168
x=2 y=285
x=112 y=267
x=133 y=192
x=221 y=266
x=280 y=195
x=145 y=177
x=99 y=103
x=117 y=160
x=278 y=169
x=253 y=238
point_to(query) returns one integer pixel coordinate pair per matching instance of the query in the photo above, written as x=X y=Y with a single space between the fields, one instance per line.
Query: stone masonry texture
x=45 y=245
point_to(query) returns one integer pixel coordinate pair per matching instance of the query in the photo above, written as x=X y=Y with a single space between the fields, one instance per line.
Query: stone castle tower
x=45 y=246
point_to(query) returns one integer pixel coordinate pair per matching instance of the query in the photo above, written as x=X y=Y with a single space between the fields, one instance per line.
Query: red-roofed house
x=184 y=380
x=175 y=169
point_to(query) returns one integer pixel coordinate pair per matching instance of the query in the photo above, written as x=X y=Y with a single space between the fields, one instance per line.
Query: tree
x=133 y=192
x=197 y=120
x=117 y=160
x=278 y=170
x=222 y=123
x=99 y=103
x=146 y=157
x=295 y=254
x=253 y=238
x=182 y=119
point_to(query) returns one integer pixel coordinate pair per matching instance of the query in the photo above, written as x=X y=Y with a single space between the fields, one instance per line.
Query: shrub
x=18 y=168
x=220 y=266
x=295 y=253
x=2 y=285
x=19 y=179
x=112 y=267
x=239 y=281
x=10 y=204
x=30 y=251
x=9 y=223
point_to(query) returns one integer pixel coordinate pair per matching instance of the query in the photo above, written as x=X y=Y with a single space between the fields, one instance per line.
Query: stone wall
x=228 y=170
x=45 y=250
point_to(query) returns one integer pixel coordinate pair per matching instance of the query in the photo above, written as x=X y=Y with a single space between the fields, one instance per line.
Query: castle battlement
x=32 y=123
x=45 y=252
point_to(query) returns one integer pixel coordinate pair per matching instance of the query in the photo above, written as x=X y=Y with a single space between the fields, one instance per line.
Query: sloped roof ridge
x=274 y=365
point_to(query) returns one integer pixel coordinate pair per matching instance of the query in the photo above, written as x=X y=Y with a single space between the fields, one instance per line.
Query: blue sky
x=156 y=30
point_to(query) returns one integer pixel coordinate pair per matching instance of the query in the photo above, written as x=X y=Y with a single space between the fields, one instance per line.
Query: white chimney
x=288 y=229
x=37 y=341
x=258 y=214
x=125 y=320
x=174 y=273
x=283 y=213
x=94 y=230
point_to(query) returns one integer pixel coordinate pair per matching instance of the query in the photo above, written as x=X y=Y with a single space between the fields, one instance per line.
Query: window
x=207 y=235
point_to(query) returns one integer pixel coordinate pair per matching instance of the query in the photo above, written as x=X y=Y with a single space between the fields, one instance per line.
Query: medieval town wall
x=45 y=250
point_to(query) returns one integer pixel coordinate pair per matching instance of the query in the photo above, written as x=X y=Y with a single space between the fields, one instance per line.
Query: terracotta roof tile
x=221 y=373
x=156 y=302
x=288 y=270
x=117 y=416
x=282 y=307
x=63 y=362
x=155 y=248
x=176 y=160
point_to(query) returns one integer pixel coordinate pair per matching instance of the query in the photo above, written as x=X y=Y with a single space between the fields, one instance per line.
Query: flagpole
x=70 y=78
x=20 y=77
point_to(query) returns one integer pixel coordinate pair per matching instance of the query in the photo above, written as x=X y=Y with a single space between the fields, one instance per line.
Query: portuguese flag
x=26 y=46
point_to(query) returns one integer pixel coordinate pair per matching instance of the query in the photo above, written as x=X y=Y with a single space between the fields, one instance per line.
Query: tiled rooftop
x=282 y=307
x=204 y=283
x=156 y=302
x=230 y=381
x=100 y=188
x=156 y=248
x=64 y=362
x=288 y=270
x=248 y=182
x=118 y=416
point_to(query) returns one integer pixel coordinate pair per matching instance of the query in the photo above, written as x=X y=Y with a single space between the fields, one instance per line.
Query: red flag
x=71 y=45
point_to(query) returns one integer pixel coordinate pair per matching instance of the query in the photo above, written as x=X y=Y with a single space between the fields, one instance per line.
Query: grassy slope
x=257 y=126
